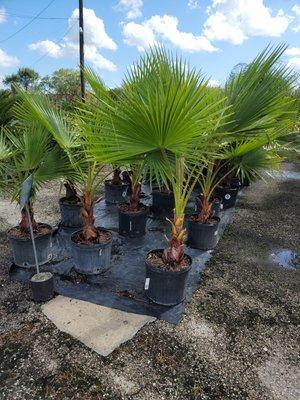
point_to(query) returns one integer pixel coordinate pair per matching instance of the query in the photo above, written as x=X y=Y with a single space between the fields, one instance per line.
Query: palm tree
x=28 y=152
x=68 y=134
x=263 y=110
x=165 y=120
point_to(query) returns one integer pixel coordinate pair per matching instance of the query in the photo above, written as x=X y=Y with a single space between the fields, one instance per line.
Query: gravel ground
x=238 y=339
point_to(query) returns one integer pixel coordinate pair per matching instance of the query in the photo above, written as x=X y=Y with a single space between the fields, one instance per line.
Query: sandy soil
x=239 y=337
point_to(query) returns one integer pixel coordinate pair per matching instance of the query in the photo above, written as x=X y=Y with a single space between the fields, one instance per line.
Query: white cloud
x=294 y=62
x=293 y=51
x=7 y=61
x=47 y=47
x=131 y=7
x=95 y=38
x=193 y=4
x=138 y=35
x=296 y=10
x=2 y=15
x=213 y=83
x=237 y=20
x=166 y=28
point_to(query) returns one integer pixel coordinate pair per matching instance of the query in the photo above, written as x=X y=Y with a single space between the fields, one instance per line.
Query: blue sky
x=214 y=35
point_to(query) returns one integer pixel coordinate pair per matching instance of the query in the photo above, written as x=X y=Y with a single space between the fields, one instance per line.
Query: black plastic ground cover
x=122 y=286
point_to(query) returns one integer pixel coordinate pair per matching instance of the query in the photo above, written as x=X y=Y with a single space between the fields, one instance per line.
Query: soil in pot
x=22 y=249
x=202 y=236
x=217 y=205
x=42 y=286
x=91 y=258
x=163 y=202
x=70 y=211
x=115 y=193
x=228 y=195
x=132 y=223
x=166 y=284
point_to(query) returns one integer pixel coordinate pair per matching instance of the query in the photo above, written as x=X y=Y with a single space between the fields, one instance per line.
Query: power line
x=28 y=23
x=32 y=16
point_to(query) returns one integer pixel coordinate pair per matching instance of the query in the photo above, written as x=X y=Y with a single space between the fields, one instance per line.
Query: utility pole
x=81 y=50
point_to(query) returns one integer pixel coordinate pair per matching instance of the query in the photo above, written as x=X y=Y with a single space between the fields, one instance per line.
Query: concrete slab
x=101 y=328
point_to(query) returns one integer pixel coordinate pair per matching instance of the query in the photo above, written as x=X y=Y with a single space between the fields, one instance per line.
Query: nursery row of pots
x=165 y=126
x=167 y=287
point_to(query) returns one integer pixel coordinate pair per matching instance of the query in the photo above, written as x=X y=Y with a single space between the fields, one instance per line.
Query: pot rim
x=218 y=219
x=163 y=193
x=10 y=236
x=47 y=275
x=92 y=245
x=228 y=188
x=62 y=201
x=133 y=213
x=163 y=271
x=107 y=182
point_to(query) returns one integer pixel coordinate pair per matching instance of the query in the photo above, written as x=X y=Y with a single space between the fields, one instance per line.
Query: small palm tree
x=67 y=132
x=29 y=153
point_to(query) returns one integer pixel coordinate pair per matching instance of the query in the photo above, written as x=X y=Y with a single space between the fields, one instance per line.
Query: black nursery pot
x=91 y=259
x=23 y=251
x=163 y=202
x=166 y=287
x=70 y=214
x=228 y=195
x=217 y=205
x=235 y=182
x=203 y=236
x=42 y=286
x=115 y=194
x=133 y=224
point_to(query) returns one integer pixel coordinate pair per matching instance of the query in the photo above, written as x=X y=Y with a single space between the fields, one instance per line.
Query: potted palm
x=90 y=245
x=133 y=213
x=70 y=207
x=32 y=156
x=116 y=189
x=166 y=117
x=202 y=231
x=260 y=97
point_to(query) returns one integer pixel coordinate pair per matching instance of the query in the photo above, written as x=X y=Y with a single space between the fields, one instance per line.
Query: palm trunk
x=174 y=253
x=206 y=211
x=25 y=223
x=71 y=193
x=134 y=199
x=87 y=211
x=116 y=180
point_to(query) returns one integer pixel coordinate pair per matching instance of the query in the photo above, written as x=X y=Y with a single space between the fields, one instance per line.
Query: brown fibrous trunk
x=25 y=223
x=116 y=179
x=206 y=211
x=71 y=193
x=174 y=253
x=87 y=212
x=134 y=200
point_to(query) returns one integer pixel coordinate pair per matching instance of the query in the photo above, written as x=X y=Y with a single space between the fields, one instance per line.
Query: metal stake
x=32 y=239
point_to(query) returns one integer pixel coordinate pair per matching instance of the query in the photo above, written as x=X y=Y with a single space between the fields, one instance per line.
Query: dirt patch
x=155 y=259
x=41 y=230
x=102 y=238
x=238 y=340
